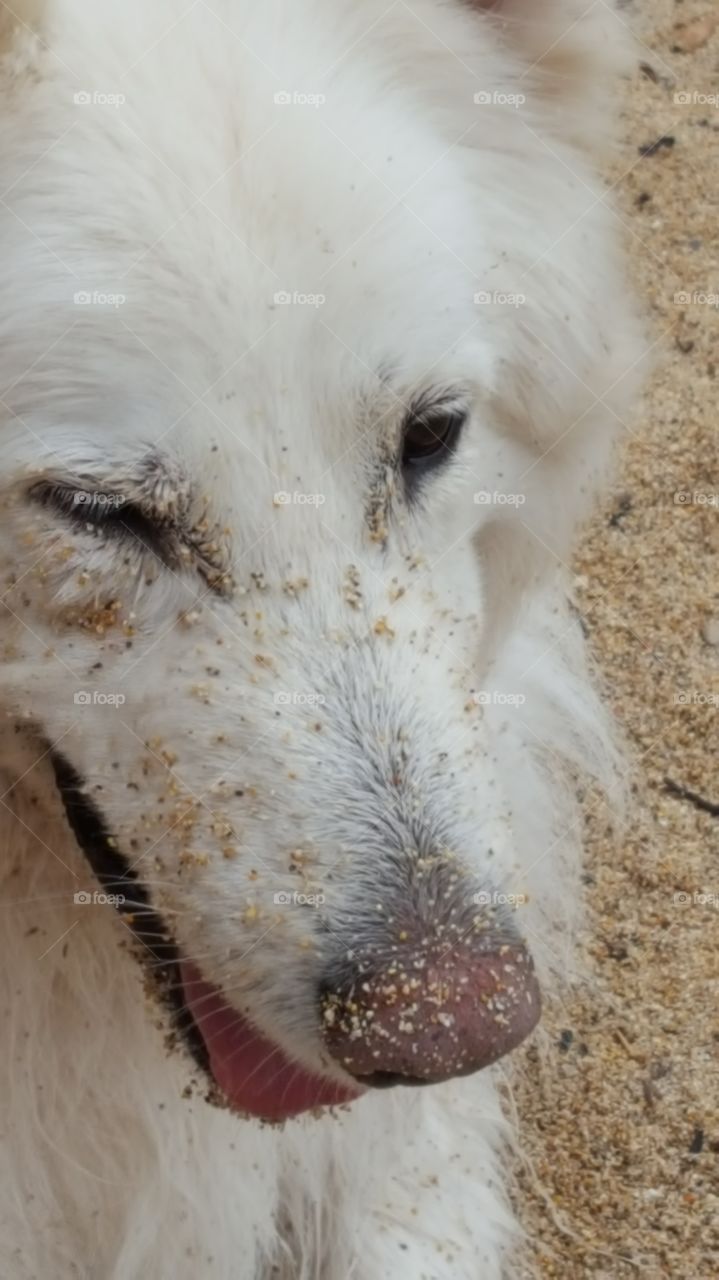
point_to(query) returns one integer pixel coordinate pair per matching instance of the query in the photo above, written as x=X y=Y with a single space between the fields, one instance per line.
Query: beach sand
x=619 y=1101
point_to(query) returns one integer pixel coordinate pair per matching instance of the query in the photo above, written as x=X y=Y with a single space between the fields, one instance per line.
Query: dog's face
x=244 y=605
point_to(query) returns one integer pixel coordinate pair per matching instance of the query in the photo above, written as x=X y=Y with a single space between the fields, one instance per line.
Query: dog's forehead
x=327 y=256
x=295 y=356
x=268 y=325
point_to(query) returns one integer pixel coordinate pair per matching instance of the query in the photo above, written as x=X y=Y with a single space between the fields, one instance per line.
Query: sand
x=619 y=1107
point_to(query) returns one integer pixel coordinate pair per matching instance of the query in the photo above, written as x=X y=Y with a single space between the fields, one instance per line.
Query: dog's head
x=252 y=447
x=255 y=653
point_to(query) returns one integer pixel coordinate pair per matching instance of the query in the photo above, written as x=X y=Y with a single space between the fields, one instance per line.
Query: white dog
x=314 y=342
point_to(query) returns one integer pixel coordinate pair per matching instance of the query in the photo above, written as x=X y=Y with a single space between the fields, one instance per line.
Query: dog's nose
x=422 y=1020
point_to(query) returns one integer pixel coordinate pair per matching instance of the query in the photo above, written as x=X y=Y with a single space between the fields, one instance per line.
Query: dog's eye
x=431 y=435
x=108 y=514
x=154 y=512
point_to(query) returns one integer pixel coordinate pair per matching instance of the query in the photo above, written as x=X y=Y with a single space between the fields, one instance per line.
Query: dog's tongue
x=255 y=1075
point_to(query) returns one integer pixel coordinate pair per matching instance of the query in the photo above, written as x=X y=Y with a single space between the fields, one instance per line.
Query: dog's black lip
x=388 y=1079
x=157 y=949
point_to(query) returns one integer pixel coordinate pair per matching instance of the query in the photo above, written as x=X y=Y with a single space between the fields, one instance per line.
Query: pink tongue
x=255 y=1074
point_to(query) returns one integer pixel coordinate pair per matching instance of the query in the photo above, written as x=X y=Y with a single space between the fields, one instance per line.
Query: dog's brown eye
x=431 y=435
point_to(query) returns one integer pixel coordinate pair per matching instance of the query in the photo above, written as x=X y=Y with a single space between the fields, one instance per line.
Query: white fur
x=199 y=199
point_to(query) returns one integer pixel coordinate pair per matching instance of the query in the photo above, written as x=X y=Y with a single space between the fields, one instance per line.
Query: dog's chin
x=254 y=1075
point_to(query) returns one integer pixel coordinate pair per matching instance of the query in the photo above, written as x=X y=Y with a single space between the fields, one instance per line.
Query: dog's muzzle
x=425 y=1018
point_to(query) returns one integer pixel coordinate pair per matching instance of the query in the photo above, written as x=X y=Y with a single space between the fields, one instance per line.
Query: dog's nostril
x=387 y=1080
x=430 y=1017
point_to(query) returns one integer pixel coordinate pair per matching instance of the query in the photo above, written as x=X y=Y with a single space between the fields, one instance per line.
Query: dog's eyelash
x=101 y=512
